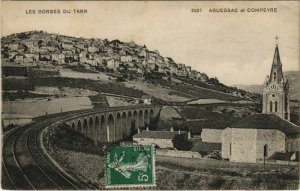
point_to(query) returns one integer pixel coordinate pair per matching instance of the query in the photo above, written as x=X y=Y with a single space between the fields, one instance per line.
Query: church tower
x=276 y=90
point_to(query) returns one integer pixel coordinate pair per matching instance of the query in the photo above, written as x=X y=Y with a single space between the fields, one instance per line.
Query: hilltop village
x=39 y=47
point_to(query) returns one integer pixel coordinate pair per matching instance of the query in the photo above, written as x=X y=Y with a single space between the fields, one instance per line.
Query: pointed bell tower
x=276 y=90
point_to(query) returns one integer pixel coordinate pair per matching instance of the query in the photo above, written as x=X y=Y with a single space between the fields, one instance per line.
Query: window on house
x=271 y=106
x=286 y=116
x=276 y=106
x=265 y=151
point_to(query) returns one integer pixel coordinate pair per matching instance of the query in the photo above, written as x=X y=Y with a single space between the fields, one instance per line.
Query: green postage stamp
x=130 y=166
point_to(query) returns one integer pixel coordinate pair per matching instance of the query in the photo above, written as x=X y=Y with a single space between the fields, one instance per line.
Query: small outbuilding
x=147 y=99
x=161 y=139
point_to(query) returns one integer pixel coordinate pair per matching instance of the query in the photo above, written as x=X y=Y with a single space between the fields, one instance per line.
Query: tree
x=214 y=80
x=22 y=36
x=180 y=142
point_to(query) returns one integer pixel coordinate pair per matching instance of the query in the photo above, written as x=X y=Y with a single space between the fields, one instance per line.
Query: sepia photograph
x=150 y=95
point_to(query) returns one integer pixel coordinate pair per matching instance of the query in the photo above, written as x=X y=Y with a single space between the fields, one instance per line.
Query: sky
x=237 y=48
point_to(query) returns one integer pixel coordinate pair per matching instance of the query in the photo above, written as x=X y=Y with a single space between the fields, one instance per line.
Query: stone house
x=34 y=49
x=90 y=56
x=80 y=46
x=91 y=62
x=92 y=49
x=144 y=53
x=67 y=52
x=169 y=60
x=71 y=58
x=114 y=43
x=45 y=56
x=152 y=54
x=34 y=57
x=28 y=59
x=147 y=99
x=82 y=54
x=199 y=76
x=113 y=64
x=161 y=70
x=126 y=58
x=13 y=46
x=12 y=54
x=61 y=57
x=257 y=137
x=19 y=57
x=132 y=44
x=161 y=139
x=109 y=50
x=135 y=58
x=188 y=70
x=122 y=52
x=173 y=68
x=67 y=45
x=98 y=59
x=140 y=71
x=193 y=74
x=47 y=48
x=211 y=135
x=180 y=66
x=181 y=73
x=29 y=44
x=148 y=63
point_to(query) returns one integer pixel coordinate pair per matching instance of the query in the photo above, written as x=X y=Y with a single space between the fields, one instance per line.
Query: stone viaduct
x=114 y=124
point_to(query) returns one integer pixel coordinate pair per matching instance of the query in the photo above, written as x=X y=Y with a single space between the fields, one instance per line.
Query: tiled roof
x=157 y=134
x=146 y=97
x=267 y=121
x=286 y=156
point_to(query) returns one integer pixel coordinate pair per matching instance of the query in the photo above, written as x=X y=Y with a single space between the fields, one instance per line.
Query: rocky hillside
x=126 y=62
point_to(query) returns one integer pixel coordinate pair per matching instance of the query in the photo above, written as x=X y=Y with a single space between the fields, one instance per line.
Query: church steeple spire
x=276 y=70
x=276 y=90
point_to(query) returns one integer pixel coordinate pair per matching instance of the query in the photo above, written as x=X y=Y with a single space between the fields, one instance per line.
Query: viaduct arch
x=113 y=124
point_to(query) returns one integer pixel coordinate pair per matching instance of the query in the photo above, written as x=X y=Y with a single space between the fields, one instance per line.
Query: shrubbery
x=180 y=142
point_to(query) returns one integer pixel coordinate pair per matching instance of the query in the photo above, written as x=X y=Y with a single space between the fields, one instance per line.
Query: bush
x=217 y=183
x=120 y=79
x=180 y=142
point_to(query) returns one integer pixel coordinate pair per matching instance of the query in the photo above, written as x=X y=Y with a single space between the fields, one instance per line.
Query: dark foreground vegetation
x=66 y=138
x=178 y=173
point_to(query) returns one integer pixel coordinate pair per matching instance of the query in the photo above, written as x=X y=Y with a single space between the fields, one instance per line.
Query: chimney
x=172 y=129
x=189 y=134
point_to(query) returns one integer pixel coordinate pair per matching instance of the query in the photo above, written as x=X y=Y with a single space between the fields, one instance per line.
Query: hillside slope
x=292 y=76
x=126 y=62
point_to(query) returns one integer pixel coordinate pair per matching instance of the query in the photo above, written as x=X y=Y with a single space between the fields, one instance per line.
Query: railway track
x=26 y=167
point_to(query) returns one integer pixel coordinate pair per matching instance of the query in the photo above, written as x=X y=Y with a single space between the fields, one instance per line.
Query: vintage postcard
x=155 y=95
